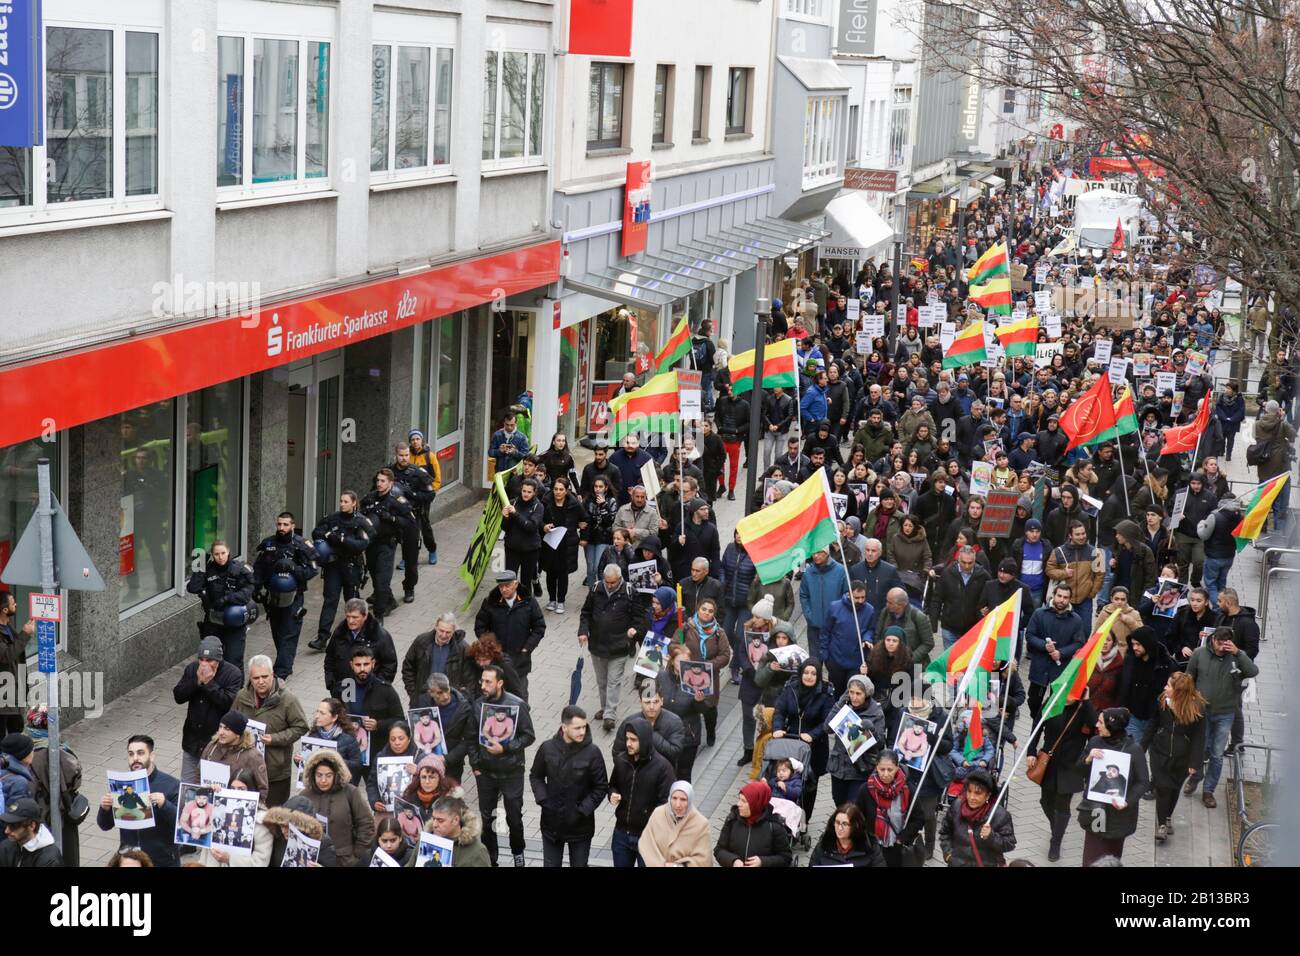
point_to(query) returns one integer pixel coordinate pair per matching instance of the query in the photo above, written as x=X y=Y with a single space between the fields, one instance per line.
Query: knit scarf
x=704 y=630
x=970 y=815
x=1108 y=658
x=923 y=712
x=893 y=799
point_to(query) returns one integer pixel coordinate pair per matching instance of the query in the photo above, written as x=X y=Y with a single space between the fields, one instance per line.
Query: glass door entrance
x=312 y=447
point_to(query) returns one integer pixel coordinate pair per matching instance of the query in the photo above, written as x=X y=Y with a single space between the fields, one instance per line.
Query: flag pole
x=1123 y=484
x=849 y=584
x=1006 y=692
x=1020 y=752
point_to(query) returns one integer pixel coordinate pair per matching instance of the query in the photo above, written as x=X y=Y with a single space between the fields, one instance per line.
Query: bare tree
x=1199 y=96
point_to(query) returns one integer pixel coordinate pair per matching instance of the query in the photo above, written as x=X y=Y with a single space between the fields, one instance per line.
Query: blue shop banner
x=22 y=89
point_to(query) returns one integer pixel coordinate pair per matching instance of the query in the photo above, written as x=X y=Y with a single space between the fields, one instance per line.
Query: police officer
x=341 y=540
x=424 y=457
x=390 y=513
x=225 y=587
x=282 y=568
x=415 y=484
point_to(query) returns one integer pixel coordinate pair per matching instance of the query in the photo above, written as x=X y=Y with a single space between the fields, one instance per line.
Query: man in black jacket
x=569 y=781
x=600 y=467
x=281 y=570
x=225 y=587
x=208 y=686
x=390 y=513
x=499 y=767
x=778 y=413
x=611 y=618
x=516 y=620
x=440 y=651
x=640 y=782
x=346 y=535
x=163 y=790
x=359 y=626
x=701 y=583
x=668 y=729
x=28 y=842
x=732 y=417
x=959 y=591
x=416 y=485
x=365 y=693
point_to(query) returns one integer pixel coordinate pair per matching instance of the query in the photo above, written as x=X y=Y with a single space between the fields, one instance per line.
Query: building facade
x=276 y=236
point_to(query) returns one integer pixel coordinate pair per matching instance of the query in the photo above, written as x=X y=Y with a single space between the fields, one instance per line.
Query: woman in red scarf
x=973 y=833
x=887 y=788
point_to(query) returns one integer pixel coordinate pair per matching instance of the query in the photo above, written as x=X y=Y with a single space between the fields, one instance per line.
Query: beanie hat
x=765 y=608
x=866 y=683
x=415 y=433
x=17 y=746
x=1033 y=524
x=235 y=722
x=1008 y=565
x=210 y=649
x=895 y=631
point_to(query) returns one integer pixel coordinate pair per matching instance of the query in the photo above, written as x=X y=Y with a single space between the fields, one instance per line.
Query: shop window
x=622 y=335
x=289 y=101
x=214 y=442
x=146 y=566
x=18 y=490
x=85 y=133
x=514 y=85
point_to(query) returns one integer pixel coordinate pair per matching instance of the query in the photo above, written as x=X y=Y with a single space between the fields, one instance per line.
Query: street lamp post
x=763 y=273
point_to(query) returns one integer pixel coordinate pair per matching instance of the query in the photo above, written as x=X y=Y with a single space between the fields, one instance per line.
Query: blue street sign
x=22 y=95
x=45 y=645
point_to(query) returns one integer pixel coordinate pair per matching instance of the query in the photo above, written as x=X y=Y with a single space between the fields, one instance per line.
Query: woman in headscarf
x=889 y=657
x=888 y=793
x=676 y=834
x=752 y=834
x=750 y=653
x=1175 y=745
x=1103 y=686
x=850 y=771
x=802 y=710
x=972 y=832
x=847 y=841
x=1107 y=821
x=707 y=641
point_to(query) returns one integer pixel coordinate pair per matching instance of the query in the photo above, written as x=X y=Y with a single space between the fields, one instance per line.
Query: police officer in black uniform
x=391 y=515
x=226 y=588
x=341 y=540
x=416 y=485
x=282 y=568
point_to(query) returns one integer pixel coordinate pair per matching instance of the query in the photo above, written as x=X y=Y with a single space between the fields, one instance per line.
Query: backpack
x=1258 y=453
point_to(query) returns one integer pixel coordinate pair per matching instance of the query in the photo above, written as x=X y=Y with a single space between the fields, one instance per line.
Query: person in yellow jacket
x=423 y=456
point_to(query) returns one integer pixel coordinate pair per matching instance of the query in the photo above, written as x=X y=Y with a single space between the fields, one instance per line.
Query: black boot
x=747 y=757
x=1059 y=824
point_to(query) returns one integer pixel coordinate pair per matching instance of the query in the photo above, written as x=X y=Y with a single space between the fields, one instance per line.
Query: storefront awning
x=856 y=229
x=627 y=287
x=693 y=266
x=969 y=193
x=994 y=183
x=937 y=188
x=815 y=73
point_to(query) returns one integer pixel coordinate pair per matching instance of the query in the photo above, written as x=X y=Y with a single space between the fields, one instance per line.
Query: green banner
x=479 y=556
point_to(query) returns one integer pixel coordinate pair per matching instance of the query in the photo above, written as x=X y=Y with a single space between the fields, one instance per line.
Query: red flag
x=1181 y=438
x=1117 y=244
x=1090 y=415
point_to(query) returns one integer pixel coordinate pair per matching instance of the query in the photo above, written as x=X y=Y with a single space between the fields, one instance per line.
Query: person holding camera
x=340 y=541
x=225 y=586
x=390 y=512
x=281 y=570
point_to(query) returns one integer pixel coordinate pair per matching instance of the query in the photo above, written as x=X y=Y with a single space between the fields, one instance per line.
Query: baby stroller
x=791 y=812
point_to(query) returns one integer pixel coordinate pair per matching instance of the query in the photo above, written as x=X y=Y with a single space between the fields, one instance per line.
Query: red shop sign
x=73 y=388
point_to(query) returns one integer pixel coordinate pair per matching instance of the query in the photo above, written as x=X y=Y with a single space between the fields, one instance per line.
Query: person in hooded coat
x=351 y=822
x=698 y=539
x=972 y=832
x=300 y=812
x=639 y=783
x=1147 y=667
x=752 y=835
x=1107 y=824
x=677 y=834
x=847 y=774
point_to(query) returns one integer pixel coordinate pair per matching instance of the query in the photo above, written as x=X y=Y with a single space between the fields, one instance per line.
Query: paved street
x=1201 y=837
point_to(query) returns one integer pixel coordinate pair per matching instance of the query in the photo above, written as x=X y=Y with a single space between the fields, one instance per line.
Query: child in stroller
x=787 y=768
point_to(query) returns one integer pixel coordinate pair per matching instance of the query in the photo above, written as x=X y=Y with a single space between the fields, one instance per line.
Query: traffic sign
x=45 y=607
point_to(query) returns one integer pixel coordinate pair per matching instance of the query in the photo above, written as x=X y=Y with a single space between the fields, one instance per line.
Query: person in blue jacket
x=163 y=790
x=802 y=710
x=508 y=445
x=842 y=644
x=1055 y=633
x=813 y=406
x=821 y=582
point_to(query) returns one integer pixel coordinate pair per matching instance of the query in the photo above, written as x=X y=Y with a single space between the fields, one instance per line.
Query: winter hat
x=210 y=649
x=415 y=433
x=765 y=608
x=1026 y=502
x=783 y=627
x=300 y=804
x=435 y=763
x=1008 y=565
x=667 y=599
x=785 y=487
x=866 y=683
x=1116 y=719
x=235 y=722
x=1033 y=524
x=17 y=746
x=694 y=505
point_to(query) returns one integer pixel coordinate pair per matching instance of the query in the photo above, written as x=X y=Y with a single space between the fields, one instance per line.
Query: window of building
x=214 y=443
x=900 y=125
x=1008 y=99
x=739 y=80
x=146 y=566
x=18 y=494
x=822 y=135
x=514 y=84
x=663 y=118
x=853 y=133
x=410 y=110
x=605 y=106
x=700 y=118
x=807 y=9
x=289 y=102
x=101 y=130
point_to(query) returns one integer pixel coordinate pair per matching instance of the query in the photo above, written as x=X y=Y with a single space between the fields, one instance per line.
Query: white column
x=350 y=136
x=544 y=377
x=190 y=91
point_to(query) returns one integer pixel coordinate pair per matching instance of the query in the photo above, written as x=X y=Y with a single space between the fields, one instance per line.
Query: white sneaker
x=550 y=605
x=559 y=608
